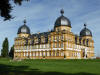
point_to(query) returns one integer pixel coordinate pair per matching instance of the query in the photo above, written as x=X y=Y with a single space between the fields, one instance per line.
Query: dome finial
x=85 y=25
x=24 y=21
x=62 y=11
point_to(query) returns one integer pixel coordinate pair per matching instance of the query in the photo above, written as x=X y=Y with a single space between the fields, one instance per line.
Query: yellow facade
x=59 y=43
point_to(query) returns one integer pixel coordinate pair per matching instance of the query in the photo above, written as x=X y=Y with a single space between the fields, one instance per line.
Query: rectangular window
x=42 y=53
x=42 y=46
x=67 y=44
x=27 y=54
x=57 y=45
x=53 y=38
x=53 y=45
x=36 y=53
x=24 y=53
x=61 y=37
x=54 y=53
x=46 y=53
x=62 y=45
x=57 y=54
x=30 y=53
x=49 y=45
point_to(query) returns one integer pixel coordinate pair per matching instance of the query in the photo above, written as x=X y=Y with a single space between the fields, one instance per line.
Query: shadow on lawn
x=20 y=70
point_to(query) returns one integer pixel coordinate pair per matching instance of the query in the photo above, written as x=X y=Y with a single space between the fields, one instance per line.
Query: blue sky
x=41 y=16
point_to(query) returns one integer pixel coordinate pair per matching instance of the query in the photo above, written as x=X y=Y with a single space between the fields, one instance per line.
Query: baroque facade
x=59 y=43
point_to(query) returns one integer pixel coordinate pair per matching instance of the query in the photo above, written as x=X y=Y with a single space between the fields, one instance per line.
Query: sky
x=42 y=14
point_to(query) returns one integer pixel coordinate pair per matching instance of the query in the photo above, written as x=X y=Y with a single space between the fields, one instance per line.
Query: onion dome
x=85 y=32
x=24 y=29
x=62 y=20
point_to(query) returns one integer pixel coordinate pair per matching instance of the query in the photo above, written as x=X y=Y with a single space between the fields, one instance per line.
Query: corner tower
x=87 y=41
x=86 y=33
x=62 y=23
x=24 y=30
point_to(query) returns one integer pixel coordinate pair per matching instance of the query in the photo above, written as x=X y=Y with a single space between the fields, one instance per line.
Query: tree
x=11 y=53
x=5 y=48
x=19 y=2
x=6 y=8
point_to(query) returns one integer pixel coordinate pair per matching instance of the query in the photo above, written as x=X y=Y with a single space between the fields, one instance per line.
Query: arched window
x=53 y=38
x=54 y=53
x=61 y=37
x=27 y=54
x=87 y=42
x=24 y=54
x=42 y=53
x=75 y=40
x=45 y=53
x=80 y=41
x=58 y=38
x=50 y=53
x=57 y=53
x=84 y=42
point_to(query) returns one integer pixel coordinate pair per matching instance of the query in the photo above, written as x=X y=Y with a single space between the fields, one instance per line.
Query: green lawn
x=49 y=67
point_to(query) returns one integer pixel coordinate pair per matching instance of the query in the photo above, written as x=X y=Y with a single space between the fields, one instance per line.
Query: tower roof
x=85 y=31
x=62 y=20
x=24 y=29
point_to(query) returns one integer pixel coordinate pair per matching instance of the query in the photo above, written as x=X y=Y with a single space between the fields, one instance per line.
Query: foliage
x=5 y=48
x=6 y=8
x=19 y=2
x=11 y=53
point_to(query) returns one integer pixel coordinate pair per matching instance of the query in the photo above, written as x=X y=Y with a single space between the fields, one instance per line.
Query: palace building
x=59 y=43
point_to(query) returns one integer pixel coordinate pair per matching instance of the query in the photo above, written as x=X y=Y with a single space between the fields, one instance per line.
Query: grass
x=49 y=67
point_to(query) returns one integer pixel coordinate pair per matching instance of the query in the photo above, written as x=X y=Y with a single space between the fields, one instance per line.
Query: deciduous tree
x=6 y=8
